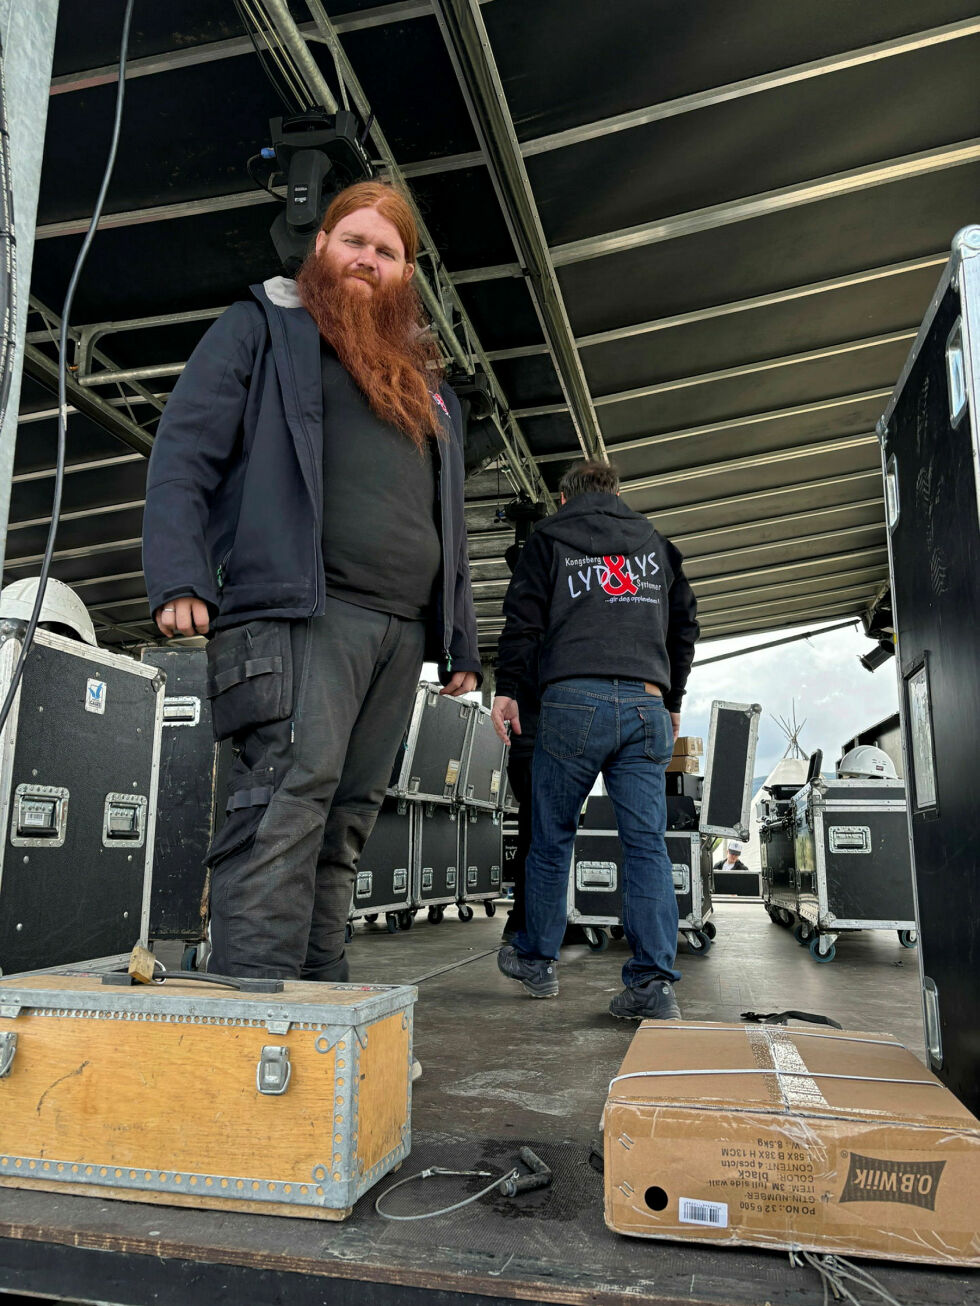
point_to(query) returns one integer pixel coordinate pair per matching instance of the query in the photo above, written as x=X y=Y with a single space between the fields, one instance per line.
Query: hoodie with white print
x=598 y=592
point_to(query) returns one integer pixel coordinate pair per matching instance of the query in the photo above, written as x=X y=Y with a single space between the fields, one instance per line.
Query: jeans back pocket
x=658 y=732
x=250 y=676
x=564 y=728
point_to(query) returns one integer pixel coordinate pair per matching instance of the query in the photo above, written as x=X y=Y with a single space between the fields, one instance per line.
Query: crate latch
x=8 y=1050
x=273 y=1071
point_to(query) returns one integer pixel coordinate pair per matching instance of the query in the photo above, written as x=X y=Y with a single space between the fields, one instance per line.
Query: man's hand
x=187 y=616
x=504 y=711
x=460 y=682
x=675 y=721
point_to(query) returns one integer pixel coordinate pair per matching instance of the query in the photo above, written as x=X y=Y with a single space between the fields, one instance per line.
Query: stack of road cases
x=852 y=862
x=270 y=1097
x=481 y=859
x=384 y=880
x=595 y=884
x=437 y=858
x=188 y=796
x=79 y=762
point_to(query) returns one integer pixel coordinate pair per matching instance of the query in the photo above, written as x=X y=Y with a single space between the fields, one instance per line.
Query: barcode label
x=694 y=1212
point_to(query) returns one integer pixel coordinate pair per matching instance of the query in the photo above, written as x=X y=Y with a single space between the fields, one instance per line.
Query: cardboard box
x=688 y=746
x=778 y=1137
x=691 y=765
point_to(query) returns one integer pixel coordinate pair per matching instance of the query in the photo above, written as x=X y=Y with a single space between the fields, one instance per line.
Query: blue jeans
x=590 y=725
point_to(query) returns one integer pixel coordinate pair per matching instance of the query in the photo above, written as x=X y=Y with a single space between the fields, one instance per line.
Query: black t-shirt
x=381 y=546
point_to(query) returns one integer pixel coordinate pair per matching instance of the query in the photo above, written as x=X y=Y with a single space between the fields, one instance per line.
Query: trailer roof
x=699 y=238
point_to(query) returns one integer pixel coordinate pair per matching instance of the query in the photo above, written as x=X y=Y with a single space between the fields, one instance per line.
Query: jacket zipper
x=446 y=636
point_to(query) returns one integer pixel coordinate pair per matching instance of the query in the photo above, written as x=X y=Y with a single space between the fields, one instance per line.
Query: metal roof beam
x=46 y=372
x=729 y=629
x=86 y=551
x=212 y=51
x=734 y=307
x=522 y=468
x=81 y=514
x=733 y=373
x=797 y=602
x=818 y=449
x=90 y=465
x=807 y=584
x=715 y=216
x=469 y=47
x=731 y=424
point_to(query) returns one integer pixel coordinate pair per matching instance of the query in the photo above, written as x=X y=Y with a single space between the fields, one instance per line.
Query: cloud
x=831 y=691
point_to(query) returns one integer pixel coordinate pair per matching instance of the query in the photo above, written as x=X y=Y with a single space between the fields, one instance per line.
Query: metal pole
x=27 y=32
x=758 y=648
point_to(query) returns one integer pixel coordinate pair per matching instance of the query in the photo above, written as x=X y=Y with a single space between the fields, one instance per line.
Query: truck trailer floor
x=499 y=1071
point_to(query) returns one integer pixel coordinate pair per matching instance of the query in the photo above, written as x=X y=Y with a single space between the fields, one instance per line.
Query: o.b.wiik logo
x=913 y=1183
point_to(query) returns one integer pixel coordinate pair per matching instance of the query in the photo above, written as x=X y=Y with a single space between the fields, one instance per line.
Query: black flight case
x=189 y=796
x=383 y=882
x=481 y=859
x=79 y=762
x=930 y=444
x=852 y=862
x=437 y=850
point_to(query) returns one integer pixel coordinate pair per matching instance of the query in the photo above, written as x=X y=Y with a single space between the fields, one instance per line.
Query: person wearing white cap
x=731 y=861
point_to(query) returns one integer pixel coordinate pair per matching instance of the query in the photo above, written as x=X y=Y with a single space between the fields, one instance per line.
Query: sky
x=822 y=675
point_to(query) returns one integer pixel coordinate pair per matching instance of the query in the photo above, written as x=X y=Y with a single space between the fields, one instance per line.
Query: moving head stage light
x=317 y=154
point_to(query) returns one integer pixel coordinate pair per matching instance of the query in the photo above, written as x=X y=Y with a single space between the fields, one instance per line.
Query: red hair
x=390 y=202
x=384 y=343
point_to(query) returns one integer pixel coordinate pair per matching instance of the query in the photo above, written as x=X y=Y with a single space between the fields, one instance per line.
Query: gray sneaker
x=653 y=1000
x=540 y=978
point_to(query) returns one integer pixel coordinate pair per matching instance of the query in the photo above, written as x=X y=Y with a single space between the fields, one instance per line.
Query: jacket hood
x=597 y=524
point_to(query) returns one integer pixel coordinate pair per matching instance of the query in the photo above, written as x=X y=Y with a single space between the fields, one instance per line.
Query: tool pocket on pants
x=658 y=732
x=250 y=676
x=564 y=728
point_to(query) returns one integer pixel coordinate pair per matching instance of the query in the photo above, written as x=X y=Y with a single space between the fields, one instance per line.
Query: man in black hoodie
x=600 y=603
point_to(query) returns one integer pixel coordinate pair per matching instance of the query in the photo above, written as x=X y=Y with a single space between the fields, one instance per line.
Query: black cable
x=290 y=108
x=8 y=304
x=62 y=373
x=258 y=180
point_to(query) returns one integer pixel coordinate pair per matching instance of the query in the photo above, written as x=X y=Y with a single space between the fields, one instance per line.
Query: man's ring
x=170 y=609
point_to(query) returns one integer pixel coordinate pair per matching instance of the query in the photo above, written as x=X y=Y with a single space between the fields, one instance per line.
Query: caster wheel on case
x=699 y=941
x=349 y=932
x=189 y=960
x=617 y=932
x=490 y=907
x=817 y=955
x=391 y=920
x=465 y=911
x=908 y=938
x=802 y=933
x=597 y=940
x=406 y=919
x=372 y=919
x=711 y=929
x=436 y=915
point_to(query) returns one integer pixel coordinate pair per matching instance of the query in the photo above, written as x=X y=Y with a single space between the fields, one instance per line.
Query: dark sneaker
x=540 y=978
x=653 y=1000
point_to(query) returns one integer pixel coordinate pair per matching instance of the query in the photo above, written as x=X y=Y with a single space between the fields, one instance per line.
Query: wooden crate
x=151 y=1093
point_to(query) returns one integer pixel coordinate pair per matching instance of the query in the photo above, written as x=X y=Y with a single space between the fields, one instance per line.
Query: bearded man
x=304 y=508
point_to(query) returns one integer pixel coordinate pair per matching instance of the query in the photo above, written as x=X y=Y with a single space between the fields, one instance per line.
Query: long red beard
x=382 y=340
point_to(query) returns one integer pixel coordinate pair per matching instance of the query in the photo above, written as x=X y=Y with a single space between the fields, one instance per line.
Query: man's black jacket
x=598 y=592
x=234 y=493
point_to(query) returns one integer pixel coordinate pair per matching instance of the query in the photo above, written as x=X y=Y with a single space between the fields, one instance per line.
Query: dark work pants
x=519 y=780
x=304 y=794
